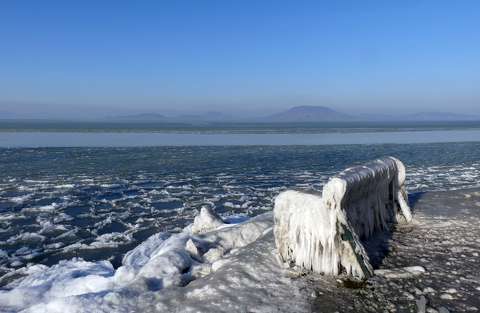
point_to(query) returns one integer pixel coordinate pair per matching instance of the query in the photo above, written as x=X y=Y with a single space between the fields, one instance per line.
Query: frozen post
x=324 y=233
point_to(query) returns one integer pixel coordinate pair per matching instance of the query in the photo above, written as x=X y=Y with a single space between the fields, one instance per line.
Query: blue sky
x=95 y=57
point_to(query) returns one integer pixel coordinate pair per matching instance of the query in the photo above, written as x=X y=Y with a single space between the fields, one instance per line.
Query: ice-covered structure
x=324 y=233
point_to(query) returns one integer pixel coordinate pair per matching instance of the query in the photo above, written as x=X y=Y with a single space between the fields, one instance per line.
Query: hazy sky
x=80 y=58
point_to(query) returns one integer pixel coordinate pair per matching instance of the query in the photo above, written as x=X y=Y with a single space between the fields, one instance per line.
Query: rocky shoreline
x=444 y=239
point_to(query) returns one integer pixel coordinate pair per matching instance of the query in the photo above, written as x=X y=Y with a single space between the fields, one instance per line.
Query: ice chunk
x=399 y=273
x=206 y=221
x=66 y=278
x=192 y=249
x=161 y=257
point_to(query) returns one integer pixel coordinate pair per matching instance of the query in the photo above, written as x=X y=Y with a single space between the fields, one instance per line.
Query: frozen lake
x=139 y=139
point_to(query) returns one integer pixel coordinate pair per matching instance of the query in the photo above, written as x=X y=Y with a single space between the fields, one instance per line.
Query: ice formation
x=324 y=233
x=164 y=260
x=206 y=221
x=403 y=272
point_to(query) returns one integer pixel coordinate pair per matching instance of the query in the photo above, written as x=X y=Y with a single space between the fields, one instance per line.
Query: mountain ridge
x=308 y=113
x=297 y=114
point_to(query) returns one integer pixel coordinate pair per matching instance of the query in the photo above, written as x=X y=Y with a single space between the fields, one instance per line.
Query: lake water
x=145 y=139
x=98 y=203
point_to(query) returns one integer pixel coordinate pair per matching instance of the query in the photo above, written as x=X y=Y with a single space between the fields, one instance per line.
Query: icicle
x=322 y=233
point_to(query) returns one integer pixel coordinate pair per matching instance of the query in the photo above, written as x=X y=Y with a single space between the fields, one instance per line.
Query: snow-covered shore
x=164 y=275
x=163 y=261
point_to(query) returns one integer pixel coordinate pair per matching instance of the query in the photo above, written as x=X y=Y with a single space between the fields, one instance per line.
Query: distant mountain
x=440 y=116
x=418 y=117
x=298 y=114
x=142 y=117
x=308 y=113
x=6 y=115
x=209 y=116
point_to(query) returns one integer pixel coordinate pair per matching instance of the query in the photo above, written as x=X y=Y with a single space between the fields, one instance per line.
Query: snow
x=206 y=221
x=67 y=278
x=323 y=233
x=158 y=262
x=251 y=280
x=399 y=273
x=161 y=262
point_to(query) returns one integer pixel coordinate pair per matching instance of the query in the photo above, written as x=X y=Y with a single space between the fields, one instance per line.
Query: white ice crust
x=206 y=221
x=323 y=233
x=163 y=261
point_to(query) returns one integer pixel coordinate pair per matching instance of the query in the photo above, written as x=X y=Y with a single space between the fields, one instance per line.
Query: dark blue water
x=98 y=203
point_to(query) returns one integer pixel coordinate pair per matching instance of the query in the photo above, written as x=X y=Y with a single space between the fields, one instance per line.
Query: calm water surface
x=139 y=139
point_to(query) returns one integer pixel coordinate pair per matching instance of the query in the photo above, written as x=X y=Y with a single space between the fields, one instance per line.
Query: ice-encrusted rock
x=206 y=221
x=323 y=233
